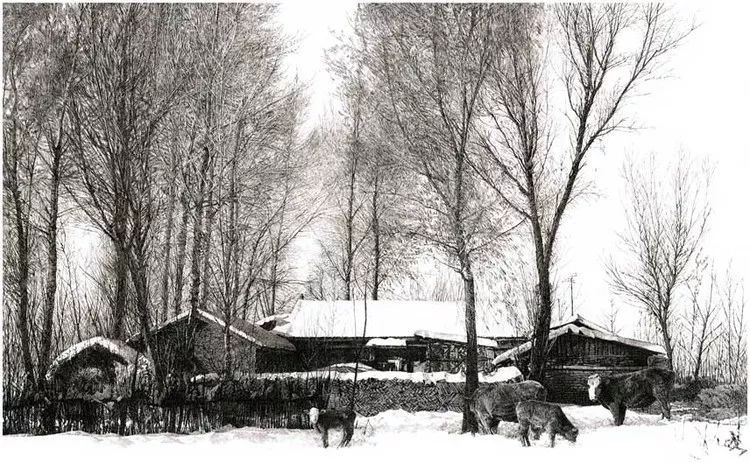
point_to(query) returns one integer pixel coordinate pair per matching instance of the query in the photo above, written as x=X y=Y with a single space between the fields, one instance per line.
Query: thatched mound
x=100 y=369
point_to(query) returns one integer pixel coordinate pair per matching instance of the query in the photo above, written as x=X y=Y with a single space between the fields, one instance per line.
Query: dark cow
x=323 y=420
x=537 y=416
x=497 y=402
x=633 y=390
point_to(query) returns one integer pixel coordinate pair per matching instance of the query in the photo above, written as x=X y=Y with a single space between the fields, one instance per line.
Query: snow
x=454 y=337
x=386 y=342
x=396 y=435
x=385 y=319
x=499 y=375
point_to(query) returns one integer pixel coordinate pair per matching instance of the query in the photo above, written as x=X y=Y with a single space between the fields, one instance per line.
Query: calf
x=496 y=403
x=542 y=416
x=639 y=389
x=323 y=420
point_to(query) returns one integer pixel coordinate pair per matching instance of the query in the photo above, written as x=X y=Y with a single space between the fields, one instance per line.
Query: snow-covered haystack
x=99 y=368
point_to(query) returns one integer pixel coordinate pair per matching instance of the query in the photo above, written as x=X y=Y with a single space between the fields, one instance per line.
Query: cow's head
x=314 y=413
x=595 y=383
x=571 y=434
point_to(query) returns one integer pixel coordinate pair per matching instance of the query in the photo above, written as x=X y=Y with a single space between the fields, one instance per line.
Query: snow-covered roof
x=582 y=327
x=386 y=342
x=385 y=319
x=500 y=375
x=119 y=349
x=454 y=337
x=280 y=322
x=246 y=330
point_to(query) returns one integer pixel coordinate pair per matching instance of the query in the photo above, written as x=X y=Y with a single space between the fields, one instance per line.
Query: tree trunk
x=121 y=291
x=23 y=283
x=168 y=243
x=376 y=280
x=181 y=254
x=195 y=263
x=227 y=349
x=667 y=343
x=541 y=324
x=139 y=274
x=51 y=281
x=698 y=361
x=349 y=257
x=207 y=239
x=472 y=373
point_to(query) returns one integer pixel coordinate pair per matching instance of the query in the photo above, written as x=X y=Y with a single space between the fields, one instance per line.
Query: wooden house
x=579 y=348
x=195 y=345
x=387 y=335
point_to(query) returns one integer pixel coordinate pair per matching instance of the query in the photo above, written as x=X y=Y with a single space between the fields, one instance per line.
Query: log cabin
x=578 y=348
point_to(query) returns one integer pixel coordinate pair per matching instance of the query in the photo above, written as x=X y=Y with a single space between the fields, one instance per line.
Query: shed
x=254 y=349
x=579 y=348
x=99 y=368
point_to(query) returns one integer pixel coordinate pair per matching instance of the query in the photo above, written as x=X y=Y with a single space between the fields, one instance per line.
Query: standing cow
x=495 y=403
x=634 y=390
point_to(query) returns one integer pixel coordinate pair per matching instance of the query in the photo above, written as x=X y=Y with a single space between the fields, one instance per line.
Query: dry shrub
x=727 y=396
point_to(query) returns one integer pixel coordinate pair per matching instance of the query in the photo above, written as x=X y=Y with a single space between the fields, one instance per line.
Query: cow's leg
x=483 y=420
x=614 y=409
x=493 y=425
x=665 y=411
x=621 y=414
x=551 y=432
x=324 y=436
x=663 y=397
x=347 y=437
x=524 y=429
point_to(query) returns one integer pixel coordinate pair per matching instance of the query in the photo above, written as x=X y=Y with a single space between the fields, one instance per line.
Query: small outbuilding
x=193 y=344
x=579 y=348
x=99 y=368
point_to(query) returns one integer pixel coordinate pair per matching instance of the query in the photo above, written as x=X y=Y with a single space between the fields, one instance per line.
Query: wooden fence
x=139 y=417
x=276 y=403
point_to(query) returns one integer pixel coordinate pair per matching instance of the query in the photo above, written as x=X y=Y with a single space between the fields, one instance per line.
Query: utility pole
x=570 y=279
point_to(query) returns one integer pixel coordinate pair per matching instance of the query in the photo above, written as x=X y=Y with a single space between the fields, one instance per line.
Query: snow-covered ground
x=396 y=436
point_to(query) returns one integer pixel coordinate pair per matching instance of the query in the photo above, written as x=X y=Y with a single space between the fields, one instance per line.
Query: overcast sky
x=699 y=109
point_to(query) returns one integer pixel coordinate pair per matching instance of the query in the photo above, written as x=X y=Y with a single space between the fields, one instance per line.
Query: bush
x=688 y=391
x=731 y=396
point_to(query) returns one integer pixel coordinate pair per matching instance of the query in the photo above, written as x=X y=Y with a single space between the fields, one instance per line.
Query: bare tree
x=431 y=62
x=733 y=337
x=700 y=322
x=20 y=164
x=130 y=80
x=665 y=228
x=611 y=316
x=519 y=158
x=62 y=28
